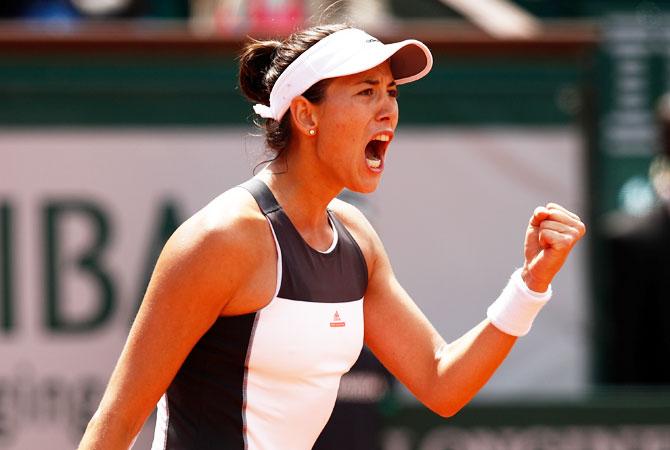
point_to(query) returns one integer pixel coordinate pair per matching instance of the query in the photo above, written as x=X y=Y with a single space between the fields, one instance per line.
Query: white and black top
x=268 y=380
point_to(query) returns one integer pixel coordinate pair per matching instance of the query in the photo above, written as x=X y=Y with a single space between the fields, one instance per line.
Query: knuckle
x=560 y=246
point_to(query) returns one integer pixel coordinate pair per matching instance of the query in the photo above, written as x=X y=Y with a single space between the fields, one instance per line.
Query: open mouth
x=376 y=149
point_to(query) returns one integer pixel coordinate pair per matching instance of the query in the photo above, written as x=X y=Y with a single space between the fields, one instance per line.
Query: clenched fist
x=551 y=234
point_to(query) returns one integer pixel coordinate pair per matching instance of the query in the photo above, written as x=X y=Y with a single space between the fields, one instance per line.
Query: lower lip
x=379 y=169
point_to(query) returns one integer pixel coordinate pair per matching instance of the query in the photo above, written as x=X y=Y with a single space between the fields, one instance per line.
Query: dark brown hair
x=261 y=63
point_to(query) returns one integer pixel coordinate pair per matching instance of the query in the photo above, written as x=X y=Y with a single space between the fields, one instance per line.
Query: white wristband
x=517 y=306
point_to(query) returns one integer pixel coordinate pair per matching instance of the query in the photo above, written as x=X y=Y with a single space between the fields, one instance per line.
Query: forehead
x=381 y=73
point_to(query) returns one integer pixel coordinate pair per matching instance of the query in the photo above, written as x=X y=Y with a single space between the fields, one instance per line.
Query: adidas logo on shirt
x=337 y=322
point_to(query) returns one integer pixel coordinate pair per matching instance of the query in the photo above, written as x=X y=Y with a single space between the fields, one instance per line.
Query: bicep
x=182 y=301
x=398 y=332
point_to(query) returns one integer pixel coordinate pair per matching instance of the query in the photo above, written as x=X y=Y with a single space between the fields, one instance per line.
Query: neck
x=303 y=190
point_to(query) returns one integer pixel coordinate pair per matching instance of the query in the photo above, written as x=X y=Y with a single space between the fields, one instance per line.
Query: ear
x=304 y=115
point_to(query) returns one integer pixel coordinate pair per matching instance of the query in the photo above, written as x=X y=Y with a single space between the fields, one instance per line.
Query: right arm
x=199 y=273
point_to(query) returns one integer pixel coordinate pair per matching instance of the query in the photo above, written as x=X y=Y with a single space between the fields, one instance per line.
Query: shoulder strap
x=262 y=194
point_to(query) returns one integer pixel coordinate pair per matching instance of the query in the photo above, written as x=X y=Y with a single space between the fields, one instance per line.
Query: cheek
x=340 y=130
x=343 y=130
x=344 y=126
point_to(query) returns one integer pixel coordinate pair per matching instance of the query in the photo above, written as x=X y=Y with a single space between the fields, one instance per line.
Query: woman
x=256 y=309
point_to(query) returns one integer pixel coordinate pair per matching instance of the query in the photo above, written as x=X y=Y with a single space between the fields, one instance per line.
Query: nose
x=388 y=110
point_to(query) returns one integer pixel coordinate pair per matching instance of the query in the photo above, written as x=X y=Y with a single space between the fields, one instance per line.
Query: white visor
x=344 y=52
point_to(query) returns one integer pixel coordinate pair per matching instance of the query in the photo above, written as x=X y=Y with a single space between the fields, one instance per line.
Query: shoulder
x=232 y=220
x=352 y=217
x=360 y=228
x=220 y=245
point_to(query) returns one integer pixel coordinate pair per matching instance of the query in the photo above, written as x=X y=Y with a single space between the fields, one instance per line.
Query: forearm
x=465 y=365
x=445 y=377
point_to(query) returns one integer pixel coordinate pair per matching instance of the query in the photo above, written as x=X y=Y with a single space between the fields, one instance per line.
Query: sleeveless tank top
x=268 y=380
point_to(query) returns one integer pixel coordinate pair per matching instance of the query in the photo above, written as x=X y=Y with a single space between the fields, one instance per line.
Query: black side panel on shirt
x=205 y=399
x=309 y=275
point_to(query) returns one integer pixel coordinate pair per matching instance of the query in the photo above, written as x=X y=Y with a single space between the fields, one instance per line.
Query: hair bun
x=255 y=62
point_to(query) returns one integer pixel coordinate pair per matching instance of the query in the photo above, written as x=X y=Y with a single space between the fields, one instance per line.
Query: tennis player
x=263 y=299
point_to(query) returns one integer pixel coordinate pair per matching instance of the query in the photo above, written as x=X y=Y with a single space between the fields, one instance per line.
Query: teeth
x=374 y=163
x=381 y=137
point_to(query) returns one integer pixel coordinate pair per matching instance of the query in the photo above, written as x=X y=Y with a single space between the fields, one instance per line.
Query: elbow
x=446 y=401
x=446 y=406
x=447 y=411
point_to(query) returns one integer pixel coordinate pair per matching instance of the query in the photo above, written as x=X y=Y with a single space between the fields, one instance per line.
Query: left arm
x=446 y=376
x=442 y=376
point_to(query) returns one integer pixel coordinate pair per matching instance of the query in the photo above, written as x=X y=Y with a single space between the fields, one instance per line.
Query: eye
x=368 y=91
x=393 y=93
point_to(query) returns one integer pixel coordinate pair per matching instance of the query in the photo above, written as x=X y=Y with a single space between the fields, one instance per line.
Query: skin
x=222 y=261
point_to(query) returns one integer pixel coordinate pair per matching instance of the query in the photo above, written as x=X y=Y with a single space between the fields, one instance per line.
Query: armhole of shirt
x=279 y=260
x=277 y=247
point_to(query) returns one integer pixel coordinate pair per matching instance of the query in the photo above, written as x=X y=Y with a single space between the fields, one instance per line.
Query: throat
x=323 y=240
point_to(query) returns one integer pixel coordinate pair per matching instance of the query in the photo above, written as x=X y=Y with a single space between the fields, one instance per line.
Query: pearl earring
x=312 y=132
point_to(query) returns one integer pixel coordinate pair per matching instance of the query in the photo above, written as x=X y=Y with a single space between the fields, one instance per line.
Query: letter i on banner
x=6 y=272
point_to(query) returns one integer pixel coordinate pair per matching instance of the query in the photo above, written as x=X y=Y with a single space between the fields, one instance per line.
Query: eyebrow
x=376 y=82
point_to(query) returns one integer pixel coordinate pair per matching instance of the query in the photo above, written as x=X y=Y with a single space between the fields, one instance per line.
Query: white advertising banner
x=84 y=213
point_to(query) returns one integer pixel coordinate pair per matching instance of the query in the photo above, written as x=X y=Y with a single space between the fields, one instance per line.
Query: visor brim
x=410 y=61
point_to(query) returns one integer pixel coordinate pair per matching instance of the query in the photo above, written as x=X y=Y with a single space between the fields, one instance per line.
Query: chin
x=365 y=188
